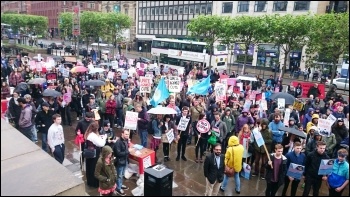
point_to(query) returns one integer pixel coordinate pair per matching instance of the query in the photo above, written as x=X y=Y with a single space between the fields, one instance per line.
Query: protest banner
x=174 y=84
x=157 y=71
x=298 y=105
x=224 y=81
x=149 y=74
x=326 y=167
x=286 y=117
x=65 y=72
x=183 y=124
x=145 y=84
x=131 y=120
x=110 y=75
x=231 y=81
x=114 y=64
x=203 y=126
x=331 y=118
x=295 y=171
x=51 y=77
x=220 y=91
x=121 y=62
x=281 y=103
x=258 y=137
x=170 y=136
x=236 y=89
x=324 y=127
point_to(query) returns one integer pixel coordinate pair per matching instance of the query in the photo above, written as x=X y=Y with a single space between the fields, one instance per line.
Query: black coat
x=211 y=172
x=43 y=118
x=121 y=152
x=15 y=110
x=281 y=173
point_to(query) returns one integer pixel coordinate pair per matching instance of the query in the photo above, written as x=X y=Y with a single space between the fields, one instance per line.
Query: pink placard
x=67 y=97
x=231 y=81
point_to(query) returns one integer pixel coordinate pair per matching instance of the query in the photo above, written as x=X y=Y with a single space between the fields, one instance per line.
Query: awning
x=145 y=37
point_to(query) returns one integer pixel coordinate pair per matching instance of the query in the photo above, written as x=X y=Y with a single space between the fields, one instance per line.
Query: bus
x=177 y=53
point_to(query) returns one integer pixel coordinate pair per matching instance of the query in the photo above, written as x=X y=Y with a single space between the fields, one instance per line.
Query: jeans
x=143 y=136
x=34 y=134
x=44 y=141
x=314 y=183
x=237 y=182
x=120 y=118
x=120 y=176
x=294 y=187
x=27 y=131
x=58 y=153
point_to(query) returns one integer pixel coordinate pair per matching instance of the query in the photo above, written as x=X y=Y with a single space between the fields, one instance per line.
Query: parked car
x=144 y=60
x=69 y=49
x=56 y=45
x=339 y=83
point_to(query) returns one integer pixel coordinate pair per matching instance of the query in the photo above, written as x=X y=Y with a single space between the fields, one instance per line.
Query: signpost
x=76 y=26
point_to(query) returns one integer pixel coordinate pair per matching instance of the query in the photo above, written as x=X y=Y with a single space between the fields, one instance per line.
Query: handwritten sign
x=286 y=117
x=331 y=118
x=295 y=171
x=258 y=137
x=131 y=61
x=220 y=91
x=203 y=126
x=174 y=84
x=326 y=167
x=281 y=103
x=170 y=136
x=183 y=124
x=110 y=75
x=147 y=162
x=65 y=72
x=67 y=97
x=324 y=127
x=231 y=81
x=298 y=105
x=131 y=120
x=51 y=77
x=145 y=84
x=247 y=105
x=114 y=64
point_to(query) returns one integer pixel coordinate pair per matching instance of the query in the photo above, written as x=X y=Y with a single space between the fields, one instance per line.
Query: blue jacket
x=156 y=129
x=341 y=169
x=293 y=158
x=276 y=134
x=308 y=117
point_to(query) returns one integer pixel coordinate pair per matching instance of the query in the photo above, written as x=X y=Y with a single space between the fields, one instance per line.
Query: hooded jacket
x=105 y=173
x=310 y=123
x=340 y=132
x=242 y=120
x=229 y=120
x=234 y=154
x=266 y=135
x=311 y=145
x=307 y=117
x=331 y=142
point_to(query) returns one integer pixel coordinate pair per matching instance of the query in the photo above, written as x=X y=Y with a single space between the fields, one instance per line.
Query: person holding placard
x=312 y=165
x=341 y=132
x=200 y=139
x=339 y=178
x=168 y=126
x=296 y=157
x=183 y=126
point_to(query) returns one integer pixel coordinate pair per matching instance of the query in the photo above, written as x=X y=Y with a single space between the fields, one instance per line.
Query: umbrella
x=289 y=99
x=79 y=69
x=37 y=81
x=293 y=131
x=95 y=83
x=96 y=70
x=23 y=86
x=161 y=110
x=50 y=92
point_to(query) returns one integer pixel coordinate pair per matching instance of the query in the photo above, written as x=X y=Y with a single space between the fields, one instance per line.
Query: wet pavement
x=188 y=175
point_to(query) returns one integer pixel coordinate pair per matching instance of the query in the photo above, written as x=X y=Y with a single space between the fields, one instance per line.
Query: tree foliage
x=329 y=38
x=26 y=23
x=66 y=23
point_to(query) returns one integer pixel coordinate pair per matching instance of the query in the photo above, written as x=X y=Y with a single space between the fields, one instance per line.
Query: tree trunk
x=245 y=58
x=334 y=70
x=211 y=54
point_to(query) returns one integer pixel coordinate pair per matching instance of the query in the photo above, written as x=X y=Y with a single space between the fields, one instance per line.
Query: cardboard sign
x=114 y=64
x=203 y=126
x=258 y=137
x=298 y=105
x=281 y=103
x=174 y=84
x=170 y=136
x=295 y=170
x=183 y=124
x=286 y=117
x=231 y=81
x=332 y=118
x=220 y=91
x=131 y=120
x=51 y=77
x=324 y=127
x=110 y=75
x=326 y=167
x=307 y=85
x=145 y=84
x=65 y=72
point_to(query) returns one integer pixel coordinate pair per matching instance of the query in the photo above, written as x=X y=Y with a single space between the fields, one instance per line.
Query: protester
x=55 y=138
x=183 y=135
x=339 y=178
x=44 y=120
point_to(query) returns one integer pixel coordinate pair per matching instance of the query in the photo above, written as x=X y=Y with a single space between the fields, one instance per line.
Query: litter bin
x=49 y=50
x=158 y=181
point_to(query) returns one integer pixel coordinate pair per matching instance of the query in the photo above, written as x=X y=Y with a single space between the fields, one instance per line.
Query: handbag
x=335 y=181
x=89 y=153
x=229 y=171
x=212 y=139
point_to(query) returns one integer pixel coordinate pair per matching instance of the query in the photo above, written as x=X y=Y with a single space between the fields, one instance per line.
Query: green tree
x=246 y=30
x=329 y=38
x=208 y=27
x=66 y=23
x=288 y=32
x=26 y=22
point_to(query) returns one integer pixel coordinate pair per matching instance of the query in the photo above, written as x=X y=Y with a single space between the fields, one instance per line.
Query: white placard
x=183 y=124
x=131 y=120
x=147 y=162
x=157 y=71
x=220 y=91
x=332 y=118
x=114 y=64
x=110 y=75
x=286 y=117
x=145 y=84
x=324 y=127
x=174 y=84
x=170 y=136
x=281 y=103
x=65 y=72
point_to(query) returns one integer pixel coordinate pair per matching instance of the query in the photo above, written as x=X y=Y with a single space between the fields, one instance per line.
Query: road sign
x=76 y=20
x=203 y=126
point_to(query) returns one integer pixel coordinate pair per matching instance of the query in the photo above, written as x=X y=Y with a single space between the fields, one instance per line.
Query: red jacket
x=111 y=105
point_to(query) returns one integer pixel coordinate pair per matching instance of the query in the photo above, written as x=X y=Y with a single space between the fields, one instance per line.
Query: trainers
x=222 y=189
x=124 y=187
x=77 y=118
x=262 y=178
x=177 y=158
x=120 y=192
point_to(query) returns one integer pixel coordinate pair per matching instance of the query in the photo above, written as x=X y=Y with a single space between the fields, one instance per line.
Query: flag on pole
x=201 y=88
x=160 y=94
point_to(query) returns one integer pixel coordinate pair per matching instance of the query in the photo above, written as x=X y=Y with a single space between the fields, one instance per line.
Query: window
x=179 y=24
x=92 y=5
x=175 y=25
x=166 y=11
x=126 y=11
x=151 y=25
x=198 y=9
x=227 y=7
x=156 y=24
x=191 y=9
x=301 y=5
x=152 y=11
x=186 y=9
x=161 y=25
x=280 y=6
x=260 y=6
x=181 y=9
x=243 y=6
x=157 y=11
x=144 y=11
x=148 y=11
x=185 y=24
x=171 y=10
x=81 y=4
x=170 y=25
x=185 y=47
x=161 y=10
x=175 y=9
x=197 y=48
x=221 y=47
x=147 y=25
x=203 y=9
x=64 y=2
x=209 y=8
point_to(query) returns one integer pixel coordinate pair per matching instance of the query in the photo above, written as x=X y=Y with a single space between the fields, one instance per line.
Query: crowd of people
x=101 y=110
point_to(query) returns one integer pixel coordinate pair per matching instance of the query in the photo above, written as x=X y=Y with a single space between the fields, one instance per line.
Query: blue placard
x=295 y=170
x=258 y=137
x=326 y=167
x=245 y=173
x=124 y=76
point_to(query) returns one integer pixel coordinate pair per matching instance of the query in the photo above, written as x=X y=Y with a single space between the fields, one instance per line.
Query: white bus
x=177 y=53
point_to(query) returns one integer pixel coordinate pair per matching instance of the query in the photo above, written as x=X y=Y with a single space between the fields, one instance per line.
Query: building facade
x=21 y=7
x=125 y=7
x=166 y=19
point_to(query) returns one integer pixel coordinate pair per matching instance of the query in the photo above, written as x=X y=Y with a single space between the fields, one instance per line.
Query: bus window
x=221 y=64
x=185 y=47
x=221 y=47
x=197 y=48
x=174 y=45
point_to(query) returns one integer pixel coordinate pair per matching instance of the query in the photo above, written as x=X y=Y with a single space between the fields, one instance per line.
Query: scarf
x=244 y=135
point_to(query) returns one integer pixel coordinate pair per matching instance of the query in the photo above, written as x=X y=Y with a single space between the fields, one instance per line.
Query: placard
x=174 y=84
x=51 y=77
x=203 y=126
x=258 y=137
x=286 y=117
x=145 y=84
x=220 y=91
x=149 y=74
x=114 y=64
x=298 y=105
x=331 y=118
x=236 y=89
x=67 y=97
x=170 y=136
x=263 y=104
x=281 y=103
x=39 y=66
x=110 y=75
x=131 y=61
x=326 y=167
x=183 y=124
x=231 y=81
x=147 y=162
x=295 y=171
x=324 y=127
x=131 y=120
x=245 y=173
x=247 y=105
x=65 y=72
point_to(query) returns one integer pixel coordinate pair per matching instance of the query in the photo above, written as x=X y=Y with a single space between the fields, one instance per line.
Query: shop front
x=239 y=53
